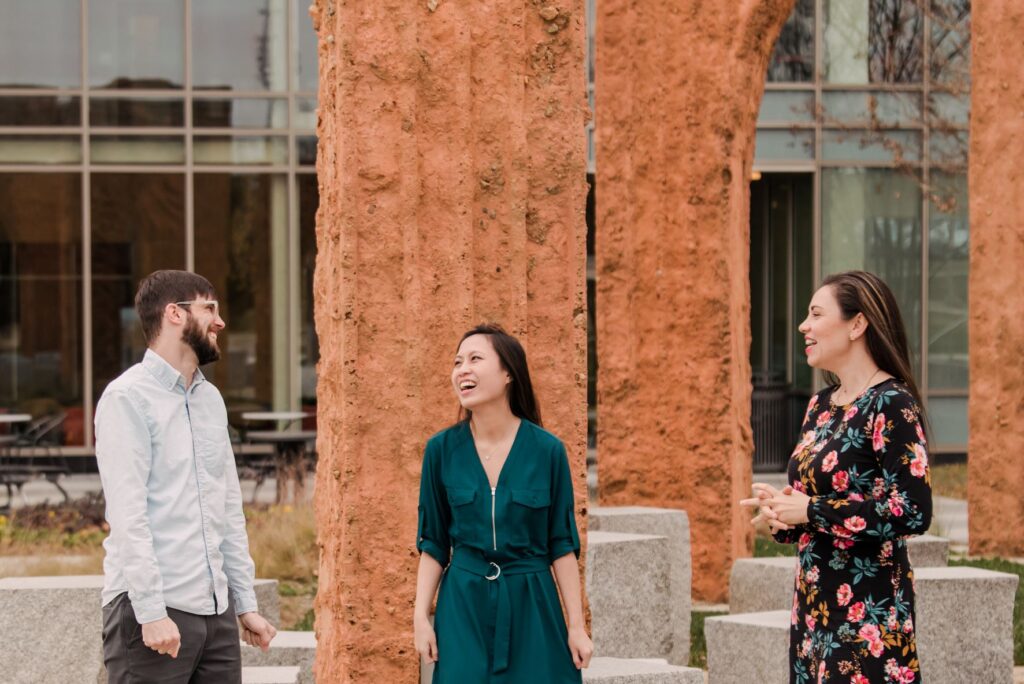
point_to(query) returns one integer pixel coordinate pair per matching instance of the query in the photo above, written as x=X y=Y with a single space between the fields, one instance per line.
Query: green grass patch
x=698 y=645
x=1000 y=565
x=766 y=547
x=306 y=623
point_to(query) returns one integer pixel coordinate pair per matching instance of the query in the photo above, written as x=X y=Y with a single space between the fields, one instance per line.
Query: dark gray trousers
x=209 y=653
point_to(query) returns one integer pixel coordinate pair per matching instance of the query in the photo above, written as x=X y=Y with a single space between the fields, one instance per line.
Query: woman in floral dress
x=859 y=485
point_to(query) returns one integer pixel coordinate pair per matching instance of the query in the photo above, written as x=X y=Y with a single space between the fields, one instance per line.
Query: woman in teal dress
x=495 y=518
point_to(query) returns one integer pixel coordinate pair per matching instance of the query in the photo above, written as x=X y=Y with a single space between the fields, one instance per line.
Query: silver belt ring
x=497 y=573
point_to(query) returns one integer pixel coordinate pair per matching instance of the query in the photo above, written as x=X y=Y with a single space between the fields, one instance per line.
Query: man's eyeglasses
x=211 y=306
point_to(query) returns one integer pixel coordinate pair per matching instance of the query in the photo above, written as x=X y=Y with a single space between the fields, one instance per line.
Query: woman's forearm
x=567 y=574
x=427 y=578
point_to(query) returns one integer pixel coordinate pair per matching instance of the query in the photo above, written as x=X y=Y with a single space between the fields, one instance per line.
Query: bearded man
x=177 y=570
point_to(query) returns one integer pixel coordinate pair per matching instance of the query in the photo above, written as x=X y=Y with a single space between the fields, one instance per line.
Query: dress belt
x=475 y=562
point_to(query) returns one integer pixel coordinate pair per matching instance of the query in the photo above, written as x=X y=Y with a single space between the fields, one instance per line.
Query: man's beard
x=206 y=351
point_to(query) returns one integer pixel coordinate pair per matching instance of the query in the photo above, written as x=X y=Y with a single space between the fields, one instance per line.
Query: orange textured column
x=452 y=190
x=995 y=462
x=678 y=85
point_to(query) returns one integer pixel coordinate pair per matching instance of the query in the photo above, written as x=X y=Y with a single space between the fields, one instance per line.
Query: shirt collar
x=166 y=374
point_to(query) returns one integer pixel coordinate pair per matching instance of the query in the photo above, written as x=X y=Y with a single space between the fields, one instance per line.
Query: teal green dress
x=499 y=619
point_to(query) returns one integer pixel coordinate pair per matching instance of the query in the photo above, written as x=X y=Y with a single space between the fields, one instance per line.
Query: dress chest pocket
x=460 y=500
x=528 y=517
x=212 y=446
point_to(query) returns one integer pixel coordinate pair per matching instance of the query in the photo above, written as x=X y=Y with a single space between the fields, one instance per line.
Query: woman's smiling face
x=826 y=333
x=478 y=377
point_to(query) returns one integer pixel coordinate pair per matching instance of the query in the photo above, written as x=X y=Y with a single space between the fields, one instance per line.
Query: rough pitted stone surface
x=928 y=551
x=268 y=600
x=675 y=146
x=628 y=586
x=674 y=526
x=452 y=189
x=996 y=327
x=639 y=671
x=760 y=584
x=68 y=649
x=964 y=624
x=747 y=648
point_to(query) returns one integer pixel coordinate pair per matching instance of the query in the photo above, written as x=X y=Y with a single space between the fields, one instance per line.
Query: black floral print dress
x=865 y=467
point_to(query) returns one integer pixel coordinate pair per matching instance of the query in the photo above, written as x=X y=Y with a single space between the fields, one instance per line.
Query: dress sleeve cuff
x=429 y=547
x=561 y=549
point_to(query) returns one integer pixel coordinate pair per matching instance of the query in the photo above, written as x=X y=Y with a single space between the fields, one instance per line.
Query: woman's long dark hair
x=521 y=398
x=860 y=292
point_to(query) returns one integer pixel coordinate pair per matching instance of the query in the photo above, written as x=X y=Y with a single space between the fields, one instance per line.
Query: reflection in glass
x=865 y=108
x=309 y=344
x=40 y=299
x=793 y=57
x=241 y=237
x=871 y=146
x=40 y=110
x=104 y=111
x=40 y=44
x=871 y=219
x=951 y=44
x=40 y=149
x=306 y=145
x=136 y=44
x=947 y=417
x=214 y=149
x=305 y=113
x=240 y=113
x=307 y=62
x=136 y=149
x=946 y=110
x=239 y=44
x=138 y=226
x=784 y=144
x=948 y=259
x=780 y=106
x=873 y=41
x=948 y=148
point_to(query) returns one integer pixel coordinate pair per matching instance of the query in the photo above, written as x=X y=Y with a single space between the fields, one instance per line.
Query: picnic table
x=289 y=455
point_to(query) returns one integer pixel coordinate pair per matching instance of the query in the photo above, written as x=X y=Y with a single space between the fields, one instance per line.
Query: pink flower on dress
x=823 y=418
x=810 y=622
x=859 y=679
x=919 y=464
x=841 y=532
x=887 y=549
x=798 y=486
x=877 y=648
x=840 y=481
x=842 y=543
x=831 y=459
x=869 y=632
x=821 y=672
x=811 y=576
x=896 y=505
x=893 y=622
x=844 y=594
x=920 y=434
x=855 y=496
x=854 y=523
x=908 y=626
x=856 y=612
x=878 y=436
x=850 y=413
x=804 y=540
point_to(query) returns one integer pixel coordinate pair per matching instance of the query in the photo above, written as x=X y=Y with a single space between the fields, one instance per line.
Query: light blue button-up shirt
x=177 y=532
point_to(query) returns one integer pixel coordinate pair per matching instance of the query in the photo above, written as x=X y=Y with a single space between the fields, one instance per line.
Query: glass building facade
x=145 y=134
x=861 y=163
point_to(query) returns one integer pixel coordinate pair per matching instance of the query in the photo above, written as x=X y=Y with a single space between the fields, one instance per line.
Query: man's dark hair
x=161 y=288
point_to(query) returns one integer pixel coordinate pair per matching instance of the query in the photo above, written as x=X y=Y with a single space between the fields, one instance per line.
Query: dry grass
x=282 y=541
x=950 y=479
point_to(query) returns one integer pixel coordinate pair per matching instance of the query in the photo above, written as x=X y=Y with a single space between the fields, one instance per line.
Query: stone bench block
x=928 y=551
x=750 y=647
x=639 y=671
x=270 y=675
x=627 y=579
x=288 y=649
x=268 y=600
x=759 y=584
x=674 y=526
x=964 y=624
x=39 y=647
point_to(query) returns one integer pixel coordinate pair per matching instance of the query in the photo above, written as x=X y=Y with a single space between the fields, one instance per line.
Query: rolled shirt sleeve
x=434 y=513
x=563 y=537
x=124 y=456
